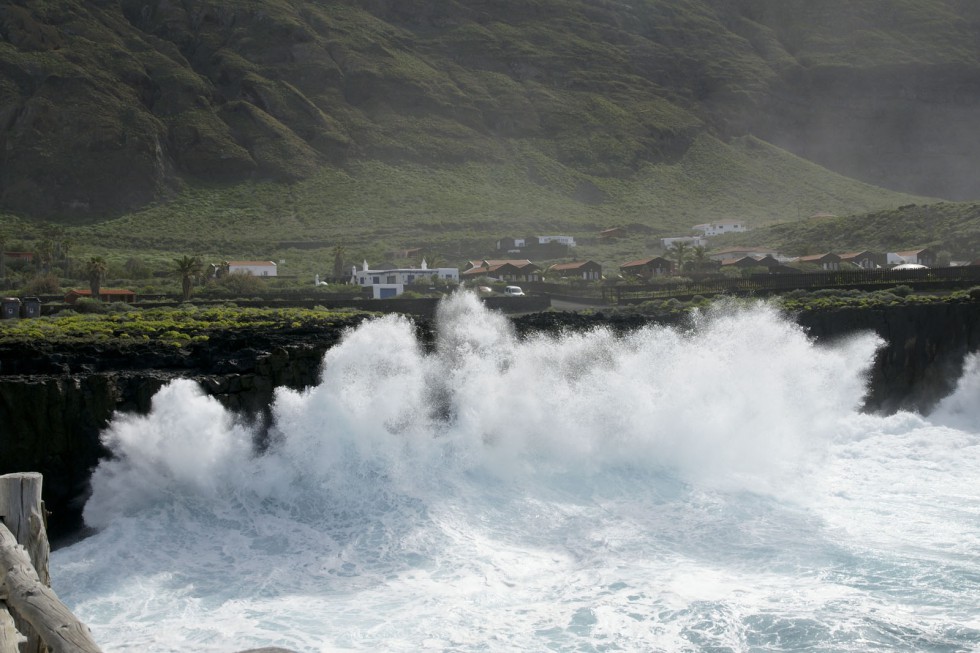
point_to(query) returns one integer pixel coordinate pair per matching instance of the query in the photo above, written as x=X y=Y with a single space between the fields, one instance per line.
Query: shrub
x=45 y=284
x=902 y=291
x=89 y=305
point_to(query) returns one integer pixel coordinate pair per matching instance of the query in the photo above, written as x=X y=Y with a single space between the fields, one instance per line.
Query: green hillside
x=951 y=228
x=281 y=128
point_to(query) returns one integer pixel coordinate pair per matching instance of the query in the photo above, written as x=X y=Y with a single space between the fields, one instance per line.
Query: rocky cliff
x=54 y=403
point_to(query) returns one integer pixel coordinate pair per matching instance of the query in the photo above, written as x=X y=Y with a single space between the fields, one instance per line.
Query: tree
x=187 y=268
x=43 y=255
x=95 y=269
x=66 y=246
x=699 y=255
x=338 y=261
x=680 y=252
x=3 y=254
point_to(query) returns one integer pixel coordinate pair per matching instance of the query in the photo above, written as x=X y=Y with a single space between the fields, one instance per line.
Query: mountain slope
x=108 y=106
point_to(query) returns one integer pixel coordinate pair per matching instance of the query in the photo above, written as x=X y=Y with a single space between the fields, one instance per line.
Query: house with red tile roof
x=826 y=261
x=105 y=294
x=646 y=268
x=588 y=270
x=503 y=269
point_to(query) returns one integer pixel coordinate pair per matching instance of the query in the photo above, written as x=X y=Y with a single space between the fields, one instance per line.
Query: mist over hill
x=107 y=106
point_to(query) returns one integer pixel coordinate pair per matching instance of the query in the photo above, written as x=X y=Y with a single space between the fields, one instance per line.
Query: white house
x=255 y=268
x=568 y=241
x=692 y=241
x=721 y=227
x=391 y=283
x=923 y=256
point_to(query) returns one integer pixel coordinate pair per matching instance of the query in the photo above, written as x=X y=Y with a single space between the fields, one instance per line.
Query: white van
x=513 y=291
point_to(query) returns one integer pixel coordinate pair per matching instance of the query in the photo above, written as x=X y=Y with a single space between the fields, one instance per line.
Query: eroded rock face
x=54 y=403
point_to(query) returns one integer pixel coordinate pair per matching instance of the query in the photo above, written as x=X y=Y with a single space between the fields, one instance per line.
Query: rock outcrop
x=54 y=402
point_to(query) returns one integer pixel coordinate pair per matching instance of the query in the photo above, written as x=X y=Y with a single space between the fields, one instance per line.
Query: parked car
x=513 y=291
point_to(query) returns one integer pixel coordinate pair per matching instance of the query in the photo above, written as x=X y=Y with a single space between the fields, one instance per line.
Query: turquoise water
x=706 y=489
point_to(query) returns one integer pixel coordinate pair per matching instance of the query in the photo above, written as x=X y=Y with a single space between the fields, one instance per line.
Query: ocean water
x=710 y=488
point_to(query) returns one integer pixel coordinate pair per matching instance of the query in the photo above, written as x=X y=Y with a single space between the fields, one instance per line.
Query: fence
x=931 y=278
x=32 y=618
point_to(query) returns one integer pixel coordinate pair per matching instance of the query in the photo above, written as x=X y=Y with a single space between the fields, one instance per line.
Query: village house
x=691 y=241
x=721 y=227
x=389 y=283
x=865 y=259
x=613 y=233
x=567 y=241
x=27 y=257
x=749 y=262
x=825 y=261
x=255 y=268
x=739 y=252
x=521 y=270
x=647 y=268
x=588 y=270
x=510 y=244
x=924 y=256
x=516 y=244
x=772 y=264
x=105 y=295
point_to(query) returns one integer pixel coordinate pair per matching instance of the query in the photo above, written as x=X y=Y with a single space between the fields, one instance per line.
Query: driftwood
x=22 y=512
x=9 y=637
x=24 y=576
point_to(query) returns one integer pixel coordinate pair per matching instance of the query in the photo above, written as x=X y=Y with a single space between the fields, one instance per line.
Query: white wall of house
x=384 y=282
x=255 y=268
x=897 y=258
x=564 y=240
x=719 y=228
x=693 y=241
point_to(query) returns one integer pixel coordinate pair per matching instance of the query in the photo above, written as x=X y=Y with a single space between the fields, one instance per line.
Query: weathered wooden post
x=22 y=512
x=24 y=579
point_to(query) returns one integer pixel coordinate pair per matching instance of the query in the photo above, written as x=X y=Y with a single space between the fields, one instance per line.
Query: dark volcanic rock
x=55 y=402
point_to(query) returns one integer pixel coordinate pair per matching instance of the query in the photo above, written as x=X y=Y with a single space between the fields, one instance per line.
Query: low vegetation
x=801 y=301
x=167 y=326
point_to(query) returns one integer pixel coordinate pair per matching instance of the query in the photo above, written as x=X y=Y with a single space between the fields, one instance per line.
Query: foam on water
x=707 y=488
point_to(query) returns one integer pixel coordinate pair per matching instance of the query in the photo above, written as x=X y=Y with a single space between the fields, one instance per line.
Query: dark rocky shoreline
x=55 y=401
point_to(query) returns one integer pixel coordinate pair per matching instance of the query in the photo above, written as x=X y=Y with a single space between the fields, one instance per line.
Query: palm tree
x=338 y=261
x=3 y=254
x=44 y=254
x=66 y=246
x=699 y=255
x=187 y=268
x=680 y=253
x=95 y=269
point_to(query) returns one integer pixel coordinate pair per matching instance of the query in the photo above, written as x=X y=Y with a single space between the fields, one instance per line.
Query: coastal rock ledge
x=55 y=401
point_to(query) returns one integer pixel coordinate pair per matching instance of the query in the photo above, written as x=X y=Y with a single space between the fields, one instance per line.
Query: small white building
x=255 y=268
x=568 y=241
x=391 y=283
x=691 y=241
x=721 y=227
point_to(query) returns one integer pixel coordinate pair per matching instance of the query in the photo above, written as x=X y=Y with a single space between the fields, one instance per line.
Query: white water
x=709 y=489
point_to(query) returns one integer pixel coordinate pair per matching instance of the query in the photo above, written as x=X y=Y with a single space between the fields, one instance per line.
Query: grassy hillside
x=282 y=128
x=947 y=227
x=458 y=213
